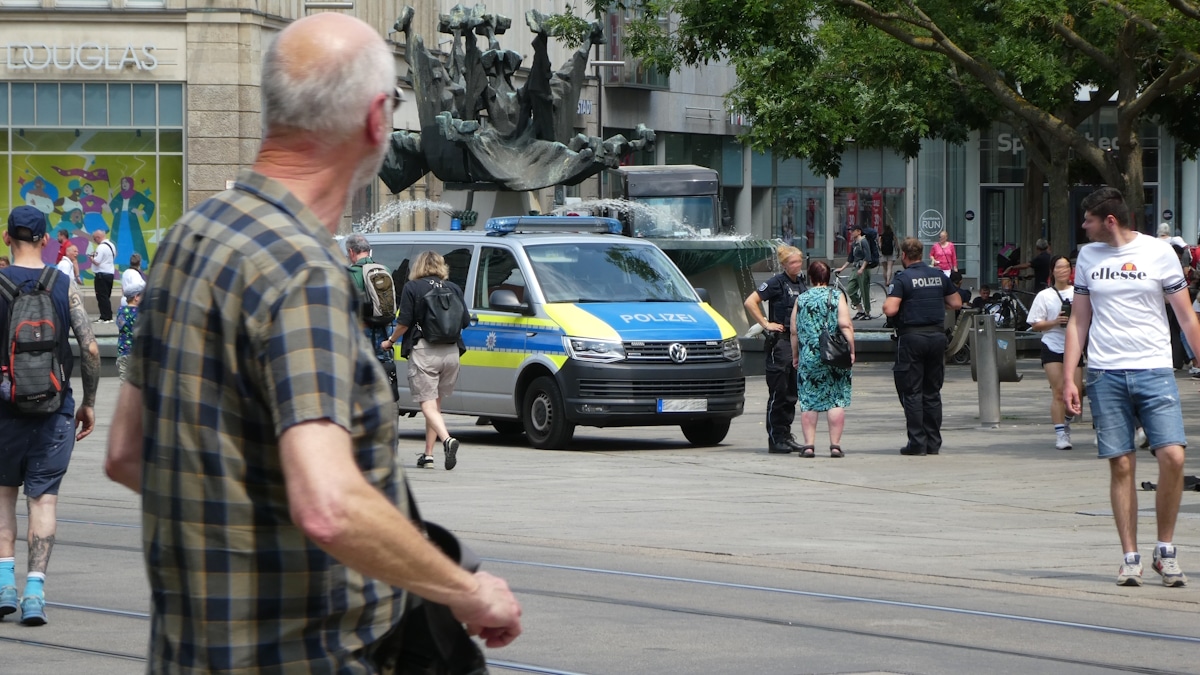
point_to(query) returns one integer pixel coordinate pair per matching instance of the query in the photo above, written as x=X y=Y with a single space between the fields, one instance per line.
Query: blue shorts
x=1121 y=399
x=37 y=450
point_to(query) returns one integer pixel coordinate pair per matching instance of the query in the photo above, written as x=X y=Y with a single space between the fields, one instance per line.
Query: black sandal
x=835 y=451
x=807 y=452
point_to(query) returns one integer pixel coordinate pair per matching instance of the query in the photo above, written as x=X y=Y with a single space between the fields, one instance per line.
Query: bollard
x=984 y=367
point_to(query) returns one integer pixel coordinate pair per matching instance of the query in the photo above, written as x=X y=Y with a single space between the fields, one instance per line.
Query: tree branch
x=1138 y=104
x=1188 y=9
x=1131 y=16
x=1078 y=42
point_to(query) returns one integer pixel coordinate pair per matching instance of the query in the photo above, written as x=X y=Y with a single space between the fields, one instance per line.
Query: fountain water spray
x=397 y=209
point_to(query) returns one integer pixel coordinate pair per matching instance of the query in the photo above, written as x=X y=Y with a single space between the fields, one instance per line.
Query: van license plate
x=682 y=405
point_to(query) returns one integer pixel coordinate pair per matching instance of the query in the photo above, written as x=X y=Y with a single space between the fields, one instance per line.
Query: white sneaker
x=1140 y=440
x=1063 y=440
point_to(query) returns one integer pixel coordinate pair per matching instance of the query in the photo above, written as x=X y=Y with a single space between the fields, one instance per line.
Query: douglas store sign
x=39 y=56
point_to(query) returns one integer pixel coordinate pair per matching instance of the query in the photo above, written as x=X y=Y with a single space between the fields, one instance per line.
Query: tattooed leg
x=8 y=521
x=42 y=527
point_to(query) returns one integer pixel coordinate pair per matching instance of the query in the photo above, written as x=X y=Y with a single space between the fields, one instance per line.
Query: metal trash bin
x=1005 y=342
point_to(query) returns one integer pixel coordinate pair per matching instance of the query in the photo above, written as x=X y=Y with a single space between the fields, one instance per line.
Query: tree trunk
x=1060 y=226
x=1031 y=209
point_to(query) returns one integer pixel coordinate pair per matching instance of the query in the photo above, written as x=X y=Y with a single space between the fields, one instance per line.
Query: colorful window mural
x=92 y=157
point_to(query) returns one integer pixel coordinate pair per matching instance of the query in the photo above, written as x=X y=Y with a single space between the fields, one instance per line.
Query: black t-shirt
x=1041 y=269
x=780 y=293
x=887 y=244
x=922 y=291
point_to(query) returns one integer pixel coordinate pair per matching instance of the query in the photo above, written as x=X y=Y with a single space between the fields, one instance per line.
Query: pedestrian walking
x=432 y=361
x=943 y=255
x=255 y=420
x=104 y=269
x=918 y=298
x=1049 y=313
x=859 y=286
x=37 y=444
x=1121 y=281
x=822 y=387
x=780 y=293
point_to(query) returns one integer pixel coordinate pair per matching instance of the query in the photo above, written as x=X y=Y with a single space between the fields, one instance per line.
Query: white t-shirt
x=1047 y=305
x=67 y=267
x=1127 y=287
x=104 y=256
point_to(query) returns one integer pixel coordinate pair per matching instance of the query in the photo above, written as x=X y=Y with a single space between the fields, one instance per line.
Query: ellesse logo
x=1127 y=271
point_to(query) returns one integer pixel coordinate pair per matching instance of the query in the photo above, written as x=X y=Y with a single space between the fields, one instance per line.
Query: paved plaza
x=636 y=553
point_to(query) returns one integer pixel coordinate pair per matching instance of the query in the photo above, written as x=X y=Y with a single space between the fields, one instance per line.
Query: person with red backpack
x=38 y=420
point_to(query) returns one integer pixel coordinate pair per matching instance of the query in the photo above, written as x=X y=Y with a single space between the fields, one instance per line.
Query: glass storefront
x=799 y=209
x=869 y=191
x=95 y=156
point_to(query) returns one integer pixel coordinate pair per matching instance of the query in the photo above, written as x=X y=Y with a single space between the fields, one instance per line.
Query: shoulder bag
x=835 y=348
x=429 y=640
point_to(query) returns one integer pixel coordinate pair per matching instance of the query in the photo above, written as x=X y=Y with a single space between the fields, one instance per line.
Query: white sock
x=1131 y=557
x=1164 y=544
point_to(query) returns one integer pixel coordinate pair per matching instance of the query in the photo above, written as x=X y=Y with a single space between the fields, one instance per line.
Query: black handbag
x=429 y=640
x=835 y=348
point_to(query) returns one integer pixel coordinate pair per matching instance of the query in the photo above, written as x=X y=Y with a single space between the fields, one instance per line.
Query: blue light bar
x=515 y=224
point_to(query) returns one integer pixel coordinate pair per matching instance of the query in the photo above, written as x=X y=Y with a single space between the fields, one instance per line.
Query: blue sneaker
x=8 y=600
x=33 y=610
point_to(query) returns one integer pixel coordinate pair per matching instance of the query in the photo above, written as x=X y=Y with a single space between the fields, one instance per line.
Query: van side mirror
x=703 y=293
x=505 y=300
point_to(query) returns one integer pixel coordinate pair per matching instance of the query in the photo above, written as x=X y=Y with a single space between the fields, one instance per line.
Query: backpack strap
x=48 y=278
x=8 y=289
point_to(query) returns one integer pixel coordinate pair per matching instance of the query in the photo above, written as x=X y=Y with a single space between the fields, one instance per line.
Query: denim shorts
x=37 y=450
x=1121 y=399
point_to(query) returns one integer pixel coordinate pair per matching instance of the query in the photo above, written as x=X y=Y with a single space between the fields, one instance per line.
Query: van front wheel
x=708 y=432
x=544 y=415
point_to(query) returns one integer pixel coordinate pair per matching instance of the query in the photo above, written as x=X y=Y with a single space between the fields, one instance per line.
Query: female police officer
x=918 y=298
x=780 y=293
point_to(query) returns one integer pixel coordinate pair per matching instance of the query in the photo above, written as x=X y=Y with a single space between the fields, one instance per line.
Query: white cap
x=131 y=289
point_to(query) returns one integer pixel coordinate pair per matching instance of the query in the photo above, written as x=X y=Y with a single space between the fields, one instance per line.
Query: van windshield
x=607 y=272
x=674 y=217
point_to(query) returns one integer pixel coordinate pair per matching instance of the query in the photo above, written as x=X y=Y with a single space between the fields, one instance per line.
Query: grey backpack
x=32 y=357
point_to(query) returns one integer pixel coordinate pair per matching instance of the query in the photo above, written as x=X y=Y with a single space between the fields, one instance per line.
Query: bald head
x=321 y=74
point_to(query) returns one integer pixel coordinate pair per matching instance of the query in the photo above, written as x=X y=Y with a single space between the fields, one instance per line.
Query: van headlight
x=731 y=349
x=586 y=349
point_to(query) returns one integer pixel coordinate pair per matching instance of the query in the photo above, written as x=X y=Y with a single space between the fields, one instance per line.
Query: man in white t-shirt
x=69 y=265
x=104 y=267
x=1118 y=312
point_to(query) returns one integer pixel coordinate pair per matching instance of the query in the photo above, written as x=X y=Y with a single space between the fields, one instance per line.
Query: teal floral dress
x=821 y=387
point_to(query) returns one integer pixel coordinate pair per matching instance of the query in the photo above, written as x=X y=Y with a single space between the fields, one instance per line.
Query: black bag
x=442 y=314
x=31 y=351
x=389 y=367
x=429 y=640
x=872 y=247
x=835 y=348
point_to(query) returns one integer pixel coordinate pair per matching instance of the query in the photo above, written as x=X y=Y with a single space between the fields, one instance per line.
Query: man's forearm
x=89 y=351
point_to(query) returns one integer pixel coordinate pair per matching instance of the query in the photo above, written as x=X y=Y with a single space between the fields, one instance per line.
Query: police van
x=574 y=324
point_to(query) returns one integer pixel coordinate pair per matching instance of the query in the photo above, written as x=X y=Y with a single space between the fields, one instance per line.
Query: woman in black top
x=887 y=251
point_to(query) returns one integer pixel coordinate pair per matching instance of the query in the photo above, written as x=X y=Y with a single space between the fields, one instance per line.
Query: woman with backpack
x=434 y=308
x=887 y=251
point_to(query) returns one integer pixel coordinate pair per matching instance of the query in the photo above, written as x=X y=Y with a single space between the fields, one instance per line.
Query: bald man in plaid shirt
x=256 y=422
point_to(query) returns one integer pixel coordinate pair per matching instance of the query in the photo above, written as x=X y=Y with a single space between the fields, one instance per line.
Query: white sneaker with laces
x=1130 y=573
x=1140 y=440
x=1194 y=372
x=1063 y=440
x=1165 y=564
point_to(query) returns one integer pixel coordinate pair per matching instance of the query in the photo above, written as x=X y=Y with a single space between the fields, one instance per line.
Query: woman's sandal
x=835 y=451
x=807 y=452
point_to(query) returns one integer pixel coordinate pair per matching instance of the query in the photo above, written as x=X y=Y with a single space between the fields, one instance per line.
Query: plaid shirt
x=250 y=326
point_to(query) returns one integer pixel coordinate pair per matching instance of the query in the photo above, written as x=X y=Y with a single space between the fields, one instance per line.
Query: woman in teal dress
x=822 y=388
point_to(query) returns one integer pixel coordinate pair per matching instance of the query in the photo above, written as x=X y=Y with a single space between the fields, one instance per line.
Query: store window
x=94 y=156
x=869 y=191
x=799 y=207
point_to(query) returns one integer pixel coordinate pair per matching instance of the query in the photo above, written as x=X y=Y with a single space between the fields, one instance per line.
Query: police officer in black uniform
x=918 y=298
x=780 y=293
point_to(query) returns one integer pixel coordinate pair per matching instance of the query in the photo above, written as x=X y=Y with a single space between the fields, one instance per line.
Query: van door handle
x=474 y=319
x=530 y=333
